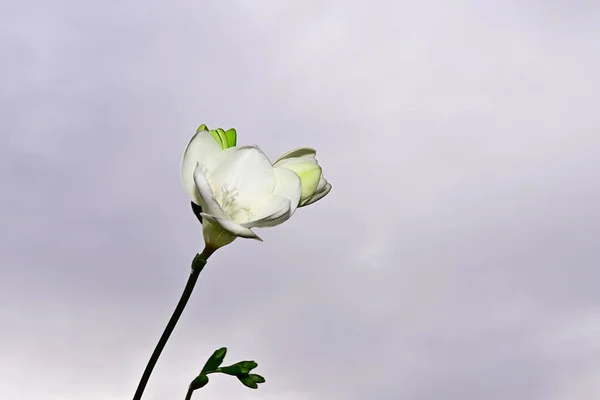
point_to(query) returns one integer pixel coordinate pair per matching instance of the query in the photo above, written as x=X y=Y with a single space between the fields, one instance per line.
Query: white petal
x=202 y=148
x=206 y=197
x=309 y=172
x=318 y=195
x=275 y=212
x=229 y=226
x=249 y=172
x=287 y=184
x=322 y=183
x=303 y=152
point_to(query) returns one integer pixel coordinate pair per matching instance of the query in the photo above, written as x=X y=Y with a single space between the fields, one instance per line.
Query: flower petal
x=274 y=212
x=302 y=152
x=226 y=139
x=202 y=148
x=288 y=185
x=219 y=135
x=318 y=195
x=322 y=183
x=246 y=171
x=206 y=196
x=309 y=172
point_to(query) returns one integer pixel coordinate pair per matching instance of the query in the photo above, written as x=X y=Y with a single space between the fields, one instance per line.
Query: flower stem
x=197 y=266
x=188 y=395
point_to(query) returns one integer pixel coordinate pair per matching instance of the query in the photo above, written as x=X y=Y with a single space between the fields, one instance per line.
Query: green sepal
x=202 y=128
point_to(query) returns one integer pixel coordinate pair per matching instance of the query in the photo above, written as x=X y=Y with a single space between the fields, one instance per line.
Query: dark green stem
x=188 y=395
x=197 y=266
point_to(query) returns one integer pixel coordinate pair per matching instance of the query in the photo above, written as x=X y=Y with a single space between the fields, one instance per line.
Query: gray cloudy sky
x=456 y=258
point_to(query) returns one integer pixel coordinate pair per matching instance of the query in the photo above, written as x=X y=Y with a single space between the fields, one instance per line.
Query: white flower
x=303 y=162
x=237 y=187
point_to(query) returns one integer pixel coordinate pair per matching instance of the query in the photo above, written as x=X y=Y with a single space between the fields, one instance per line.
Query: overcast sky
x=456 y=258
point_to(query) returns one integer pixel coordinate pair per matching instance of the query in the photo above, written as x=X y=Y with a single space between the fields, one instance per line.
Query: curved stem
x=197 y=266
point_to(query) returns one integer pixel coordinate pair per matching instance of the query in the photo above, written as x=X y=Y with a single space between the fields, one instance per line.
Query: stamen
x=228 y=198
x=227 y=201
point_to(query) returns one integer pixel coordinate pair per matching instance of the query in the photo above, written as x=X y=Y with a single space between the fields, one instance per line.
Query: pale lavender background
x=457 y=257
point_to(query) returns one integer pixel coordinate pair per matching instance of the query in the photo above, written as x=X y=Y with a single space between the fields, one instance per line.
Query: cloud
x=455 y=257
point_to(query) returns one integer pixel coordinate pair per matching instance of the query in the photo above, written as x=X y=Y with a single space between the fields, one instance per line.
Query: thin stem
x=197 y=266
x=188 y=395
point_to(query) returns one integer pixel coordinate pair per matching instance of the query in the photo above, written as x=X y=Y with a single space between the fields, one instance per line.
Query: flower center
x=228 y=197
x=228 y=203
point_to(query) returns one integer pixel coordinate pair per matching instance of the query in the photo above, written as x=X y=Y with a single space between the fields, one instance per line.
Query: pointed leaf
x=240 y=368
x=247 y=381
x=215 y=360
x=256 y=378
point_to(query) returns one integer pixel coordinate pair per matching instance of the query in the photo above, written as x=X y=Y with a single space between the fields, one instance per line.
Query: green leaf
x=257 y=378
x=199 y=382
x=231 y=135
x=202 y=128
x=215 y=360
x=240 y=368
x=248 y=381
x=234 y=370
